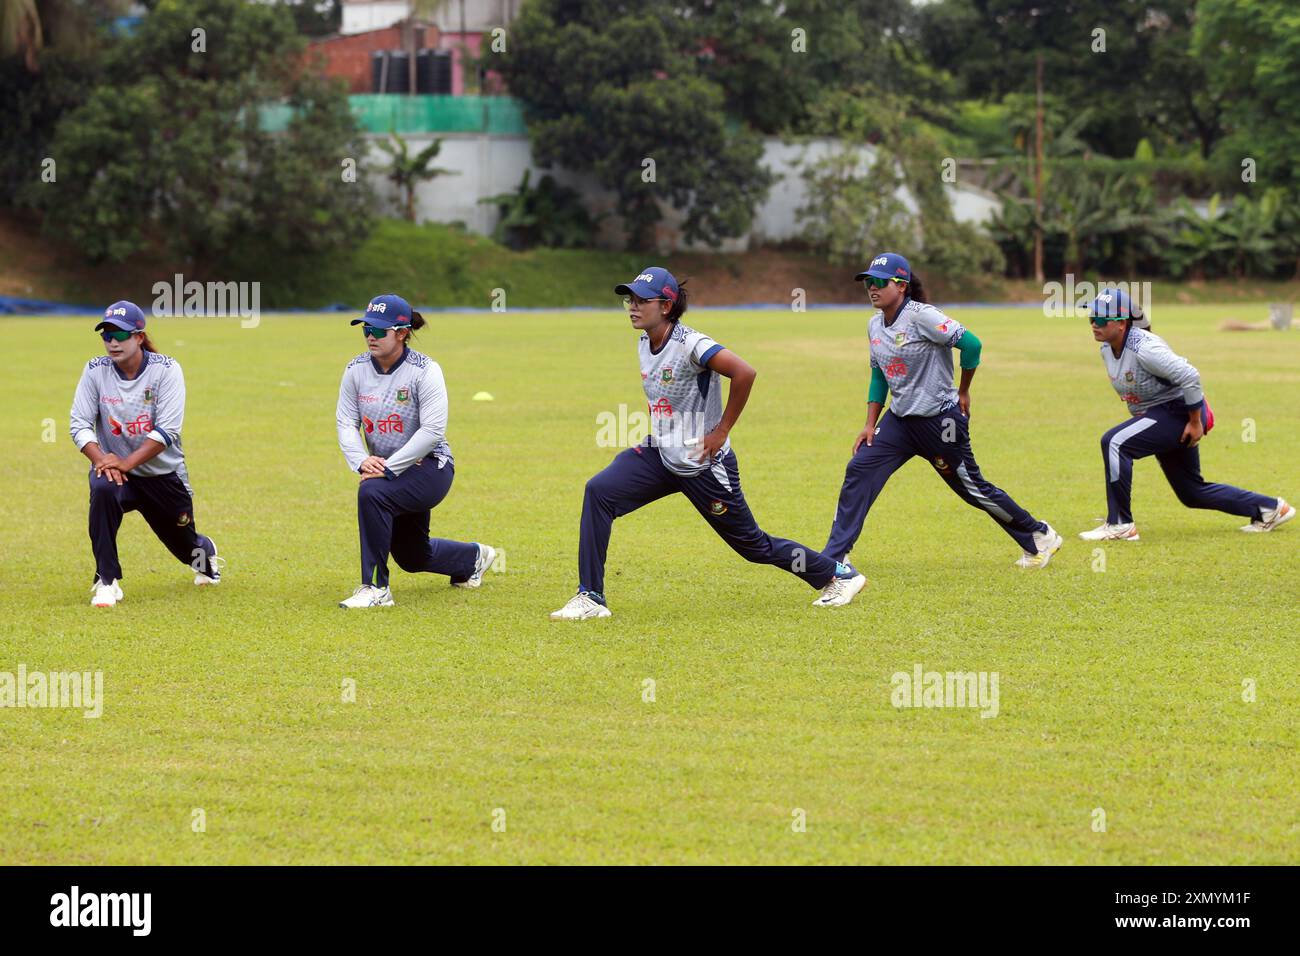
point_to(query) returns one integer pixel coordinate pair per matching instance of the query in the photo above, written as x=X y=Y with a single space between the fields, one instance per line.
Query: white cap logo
x=377 y=307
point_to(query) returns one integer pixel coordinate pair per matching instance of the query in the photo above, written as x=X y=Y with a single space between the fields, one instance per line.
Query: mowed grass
x=1120 y=690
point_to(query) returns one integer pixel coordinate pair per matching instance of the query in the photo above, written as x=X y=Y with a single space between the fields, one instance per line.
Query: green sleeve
x=879 y=389
x=970 y=349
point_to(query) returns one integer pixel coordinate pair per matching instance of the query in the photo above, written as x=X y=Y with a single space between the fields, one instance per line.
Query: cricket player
x=126 y=418
x=396 y=397
x=911 y=345
x=1170 y=416
x=688 y=451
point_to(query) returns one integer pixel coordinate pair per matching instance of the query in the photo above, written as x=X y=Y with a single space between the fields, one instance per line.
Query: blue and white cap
x=654 y=282
x=887 y=265
x=1115 y=304
x=386 y=312
x=123 y=315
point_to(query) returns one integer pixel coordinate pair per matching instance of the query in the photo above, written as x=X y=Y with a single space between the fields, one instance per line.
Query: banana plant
x=406 y=172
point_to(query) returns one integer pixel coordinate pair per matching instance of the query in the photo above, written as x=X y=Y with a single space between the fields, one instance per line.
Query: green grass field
x=1120 y=690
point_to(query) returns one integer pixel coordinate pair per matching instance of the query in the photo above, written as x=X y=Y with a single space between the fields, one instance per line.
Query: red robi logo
x=370 y=425
x=114 y=425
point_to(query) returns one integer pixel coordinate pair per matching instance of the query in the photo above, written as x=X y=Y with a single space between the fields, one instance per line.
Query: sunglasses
x=877 y=282
x=371 y=332
x=117 y=335
x=628 y=300
x=1101 y=320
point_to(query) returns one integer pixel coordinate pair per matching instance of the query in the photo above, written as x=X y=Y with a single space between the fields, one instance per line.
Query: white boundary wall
x=487 y=165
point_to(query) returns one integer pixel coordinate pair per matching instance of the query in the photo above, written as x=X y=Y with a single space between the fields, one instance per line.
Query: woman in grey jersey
x=1170 y=416
x=911 y=345
x=397 y=398
x=126 y=418
x=688 y=451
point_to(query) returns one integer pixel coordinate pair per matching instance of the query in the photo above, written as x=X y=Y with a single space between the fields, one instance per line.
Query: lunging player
x=688 y=451
x=397 y=396
x=126 y=418
x=911 y=359
x=1170 y=416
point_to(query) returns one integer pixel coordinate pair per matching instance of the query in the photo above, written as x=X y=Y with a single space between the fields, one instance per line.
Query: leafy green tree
x=170 y=147
x=612 y=89
x=1251 y=51
x=548 y=215
x=406 y=172
x=853 y=211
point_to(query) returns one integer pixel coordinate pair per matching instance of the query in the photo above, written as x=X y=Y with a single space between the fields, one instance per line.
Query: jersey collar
x=902 y=305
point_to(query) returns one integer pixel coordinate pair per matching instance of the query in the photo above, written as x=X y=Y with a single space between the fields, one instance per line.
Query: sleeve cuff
x=83 y=438
x=161 y=437
x=712 y=351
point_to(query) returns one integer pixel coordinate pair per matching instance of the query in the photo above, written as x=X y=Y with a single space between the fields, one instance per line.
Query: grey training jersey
x=1147 y=373
x=684 y=397
x=119 y=413
x=915 y=353
x=401 y=412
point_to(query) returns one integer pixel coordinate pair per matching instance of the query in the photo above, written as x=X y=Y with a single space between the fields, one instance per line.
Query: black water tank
x=433 y=71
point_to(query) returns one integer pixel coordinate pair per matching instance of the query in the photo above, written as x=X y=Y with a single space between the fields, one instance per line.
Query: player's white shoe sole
x=840 y=591
x=1111 y=532
x=215 y=563
x=1269 y=520
x=369 y=596
x=580 y=608
x=486 y=555
x=1048 y=543
x=105 y=595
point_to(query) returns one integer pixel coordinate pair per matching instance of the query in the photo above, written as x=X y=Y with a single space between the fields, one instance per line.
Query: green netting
x=424 y=113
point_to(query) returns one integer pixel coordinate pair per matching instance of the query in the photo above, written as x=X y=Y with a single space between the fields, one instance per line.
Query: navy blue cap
x=123 y=315
x=654 y=282
x=386 y=312
x=1115 y=304
x=887 y=265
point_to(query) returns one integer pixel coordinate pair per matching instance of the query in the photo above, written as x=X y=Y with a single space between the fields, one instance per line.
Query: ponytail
x=916 y=290
x=417 y=322
x=145 y=343
x=680 y=304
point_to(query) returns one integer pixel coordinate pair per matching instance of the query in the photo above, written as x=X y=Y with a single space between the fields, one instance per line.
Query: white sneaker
x=486 y=555
x=215 y=564
x=1111 y=532
x=369 y=596
x=1048 y=543
x=841 y=591
x=580 y=608
x=1272 y=518
x=105 y=595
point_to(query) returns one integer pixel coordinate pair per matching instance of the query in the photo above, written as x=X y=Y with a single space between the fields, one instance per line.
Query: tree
x=406 y=172
x=854 y=212
x=1251 y=49
x=170 y=145
x=612 y=90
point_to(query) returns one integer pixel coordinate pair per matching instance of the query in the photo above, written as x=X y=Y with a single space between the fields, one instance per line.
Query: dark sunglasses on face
x=372 y=332
x=879 y=283
x=117 y=335
x=1101 y=320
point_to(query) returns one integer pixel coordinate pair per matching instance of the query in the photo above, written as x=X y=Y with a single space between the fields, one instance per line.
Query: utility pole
x=1038 y=177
